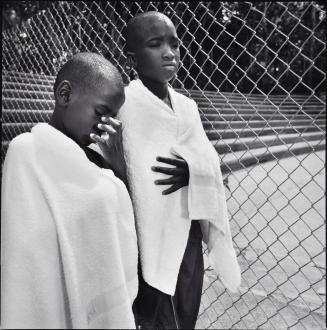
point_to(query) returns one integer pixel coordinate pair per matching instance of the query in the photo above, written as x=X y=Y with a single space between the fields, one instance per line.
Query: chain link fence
x=257 y=72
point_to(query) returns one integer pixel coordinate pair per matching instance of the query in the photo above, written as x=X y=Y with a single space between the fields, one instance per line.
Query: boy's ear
x=131 y=59
x=63 y=92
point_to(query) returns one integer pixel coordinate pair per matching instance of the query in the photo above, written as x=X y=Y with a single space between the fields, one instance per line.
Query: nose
x=168 y=54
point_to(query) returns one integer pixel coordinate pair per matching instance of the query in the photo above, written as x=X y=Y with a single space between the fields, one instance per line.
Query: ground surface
x=277 y=214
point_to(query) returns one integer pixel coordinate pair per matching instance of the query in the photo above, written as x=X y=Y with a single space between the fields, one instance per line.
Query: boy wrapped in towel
x=69 y=249
x=161 y=124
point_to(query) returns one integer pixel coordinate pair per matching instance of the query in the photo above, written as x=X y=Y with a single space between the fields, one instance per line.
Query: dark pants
x=154 y=309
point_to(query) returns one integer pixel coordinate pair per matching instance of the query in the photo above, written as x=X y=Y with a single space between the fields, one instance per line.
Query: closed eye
x=154 y=41
x=154 y=44
x=102 y=111
x=98 y=113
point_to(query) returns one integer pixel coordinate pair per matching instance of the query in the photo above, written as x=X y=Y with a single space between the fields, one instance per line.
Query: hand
x=179 y=175
x=111 y=145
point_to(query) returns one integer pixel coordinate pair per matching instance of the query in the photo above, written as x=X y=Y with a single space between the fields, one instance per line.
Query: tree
x=15 y=12
x=248 y=46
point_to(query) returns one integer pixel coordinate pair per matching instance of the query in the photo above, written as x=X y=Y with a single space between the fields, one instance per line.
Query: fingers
x=171 y=180
x=98 y=139
x=114 y=122
x=179 y=162
x=169 y=170
x=107 y=128
x=172 y=189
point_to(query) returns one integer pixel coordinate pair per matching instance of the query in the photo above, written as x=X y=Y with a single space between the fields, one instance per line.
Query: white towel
x=151 y=129
x=69 y=248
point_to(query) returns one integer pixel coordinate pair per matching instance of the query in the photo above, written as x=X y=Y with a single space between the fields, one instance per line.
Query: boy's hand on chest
x=179 y=175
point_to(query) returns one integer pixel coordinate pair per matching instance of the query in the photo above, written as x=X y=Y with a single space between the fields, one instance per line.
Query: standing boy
x=161 y=124
x=69 y=252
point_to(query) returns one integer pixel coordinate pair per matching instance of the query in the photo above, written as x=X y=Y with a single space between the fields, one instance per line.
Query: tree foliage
x=273 y=47
x=15 y=12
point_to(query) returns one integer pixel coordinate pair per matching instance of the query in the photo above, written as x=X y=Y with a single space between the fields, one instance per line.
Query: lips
x=170 y=65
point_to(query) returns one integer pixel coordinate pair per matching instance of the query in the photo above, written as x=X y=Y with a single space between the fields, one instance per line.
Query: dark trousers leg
x=154 y=309
x=190 y=280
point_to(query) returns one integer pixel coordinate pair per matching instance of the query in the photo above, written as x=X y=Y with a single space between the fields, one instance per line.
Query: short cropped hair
x=133 y=31
x=87 y=70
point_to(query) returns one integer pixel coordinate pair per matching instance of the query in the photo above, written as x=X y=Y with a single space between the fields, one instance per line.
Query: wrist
x=119 y=168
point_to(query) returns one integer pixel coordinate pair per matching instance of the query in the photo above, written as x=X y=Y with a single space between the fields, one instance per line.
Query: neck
x=157 y=88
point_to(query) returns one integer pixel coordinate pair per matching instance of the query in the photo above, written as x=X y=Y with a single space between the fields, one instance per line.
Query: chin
x=169 y=77
x=84 y=141
x=164 y=80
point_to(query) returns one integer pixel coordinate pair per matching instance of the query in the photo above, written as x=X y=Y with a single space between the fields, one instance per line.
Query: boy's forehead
x=154 y=24
x=105 y=87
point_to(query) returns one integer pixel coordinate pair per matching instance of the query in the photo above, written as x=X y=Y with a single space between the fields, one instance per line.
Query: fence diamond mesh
x=257 y=72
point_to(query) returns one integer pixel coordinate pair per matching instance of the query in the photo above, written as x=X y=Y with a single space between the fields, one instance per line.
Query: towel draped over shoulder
x=151 y=129
x=69 y=248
